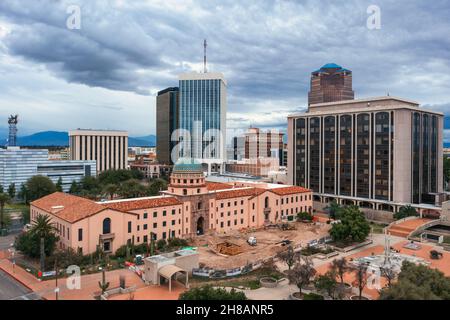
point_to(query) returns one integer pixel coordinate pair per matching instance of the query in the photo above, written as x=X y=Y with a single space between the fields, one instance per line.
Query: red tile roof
x=68 y=207
x=129 y=205
x=283 y=191
x=214 y=186
x=249 y=192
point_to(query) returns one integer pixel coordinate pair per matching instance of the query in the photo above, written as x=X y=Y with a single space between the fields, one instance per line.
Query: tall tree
x=302 y=273
x=90 y=185
x=418 y=282
x=327 y=282
x=389 y=274
x=74 y=188
x=12 y=190
x=334 y=210
x=110 y=190
x=340 y=267
x=39 y=186
x=360 y=278
x=288 y=256
x=132 y=189
x=58 y=186
x=156 y=186
x=23 y=193
x=42 y=228
x=353 y=226
x=4 y=199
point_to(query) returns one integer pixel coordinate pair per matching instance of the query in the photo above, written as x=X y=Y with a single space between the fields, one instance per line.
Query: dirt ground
x=268 y=244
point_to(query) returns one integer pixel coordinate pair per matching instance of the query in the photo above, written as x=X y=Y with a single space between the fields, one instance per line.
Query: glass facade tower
x=202 y=116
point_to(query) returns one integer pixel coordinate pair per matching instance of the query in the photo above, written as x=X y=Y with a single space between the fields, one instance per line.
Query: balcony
x=107 y=236
x=267 y=210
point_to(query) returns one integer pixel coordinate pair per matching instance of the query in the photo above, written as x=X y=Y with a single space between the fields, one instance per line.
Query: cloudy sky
x=106 y=74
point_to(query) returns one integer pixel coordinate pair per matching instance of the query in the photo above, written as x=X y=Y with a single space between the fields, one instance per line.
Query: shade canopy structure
x=169 y=271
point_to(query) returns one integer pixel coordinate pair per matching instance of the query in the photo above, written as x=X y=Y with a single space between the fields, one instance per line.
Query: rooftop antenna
x=204 y=56
x=12 y=136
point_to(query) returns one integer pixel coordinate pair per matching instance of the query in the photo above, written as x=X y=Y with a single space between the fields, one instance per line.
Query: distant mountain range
x=61 y=139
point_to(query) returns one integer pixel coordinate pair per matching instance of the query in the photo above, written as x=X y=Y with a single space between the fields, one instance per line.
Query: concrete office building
x=167 y=108
x=378 y=153
x=108 y=148
x=18 y=165
x=202 y=117
x=329 y=84
x=237 y=150
x=263 y=144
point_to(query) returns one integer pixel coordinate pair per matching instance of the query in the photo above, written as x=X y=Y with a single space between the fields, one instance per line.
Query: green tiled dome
x=188 y=166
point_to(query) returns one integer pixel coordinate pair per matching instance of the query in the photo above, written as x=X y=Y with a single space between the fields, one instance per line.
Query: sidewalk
x=89 y=283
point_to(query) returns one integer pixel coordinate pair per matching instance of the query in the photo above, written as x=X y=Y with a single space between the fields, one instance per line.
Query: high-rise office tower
x=202 y=116
x=378 y=153
x=167 y=108
x=108 y=148
x=263 y=144
x=329 y=84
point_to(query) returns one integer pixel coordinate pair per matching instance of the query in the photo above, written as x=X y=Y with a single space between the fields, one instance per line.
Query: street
x=5 y=242
x=10 y=288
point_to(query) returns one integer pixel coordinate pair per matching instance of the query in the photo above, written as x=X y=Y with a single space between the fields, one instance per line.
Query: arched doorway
x=200 y=224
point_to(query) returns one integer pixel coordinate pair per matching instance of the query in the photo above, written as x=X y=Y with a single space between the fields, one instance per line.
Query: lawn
x=16 y=206
x=377 y=227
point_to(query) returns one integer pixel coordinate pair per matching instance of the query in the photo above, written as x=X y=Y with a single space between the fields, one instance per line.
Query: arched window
x=106 y=226
x=266 y=202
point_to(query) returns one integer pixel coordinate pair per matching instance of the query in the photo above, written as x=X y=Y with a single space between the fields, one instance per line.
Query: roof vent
x=56 y=209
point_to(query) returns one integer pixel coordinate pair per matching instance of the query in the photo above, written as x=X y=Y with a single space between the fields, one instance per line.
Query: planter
x=268 y=282
x=358 y=298
x=347 y=287
x=295 y=296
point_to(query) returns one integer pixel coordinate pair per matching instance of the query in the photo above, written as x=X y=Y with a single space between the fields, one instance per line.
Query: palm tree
x=110 y=190
x=42 y=227
x=4 y=199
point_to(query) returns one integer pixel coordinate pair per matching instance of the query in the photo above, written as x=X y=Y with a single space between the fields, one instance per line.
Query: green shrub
x=304 y=216
x=312 y=296
x=210 y=293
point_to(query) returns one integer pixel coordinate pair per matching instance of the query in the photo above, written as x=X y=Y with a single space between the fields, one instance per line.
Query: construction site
x=239 y=248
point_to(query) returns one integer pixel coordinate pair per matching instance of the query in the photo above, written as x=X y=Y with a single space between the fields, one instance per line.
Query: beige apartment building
x=378 y=153
x=109 y=148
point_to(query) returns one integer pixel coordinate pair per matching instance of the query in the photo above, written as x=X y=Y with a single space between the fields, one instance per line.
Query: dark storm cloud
x=266 y=49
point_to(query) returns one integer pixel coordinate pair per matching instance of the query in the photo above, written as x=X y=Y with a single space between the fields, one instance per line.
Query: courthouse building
x=191 y=206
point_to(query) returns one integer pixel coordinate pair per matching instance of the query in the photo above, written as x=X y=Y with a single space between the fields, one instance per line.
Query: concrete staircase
x=400 y=231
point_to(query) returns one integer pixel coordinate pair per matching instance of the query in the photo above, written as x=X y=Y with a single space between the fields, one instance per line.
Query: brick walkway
x=89 y=283
x=441 y=264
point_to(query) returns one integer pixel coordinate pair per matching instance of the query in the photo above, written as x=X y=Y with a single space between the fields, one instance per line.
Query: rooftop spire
x=204 y=56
